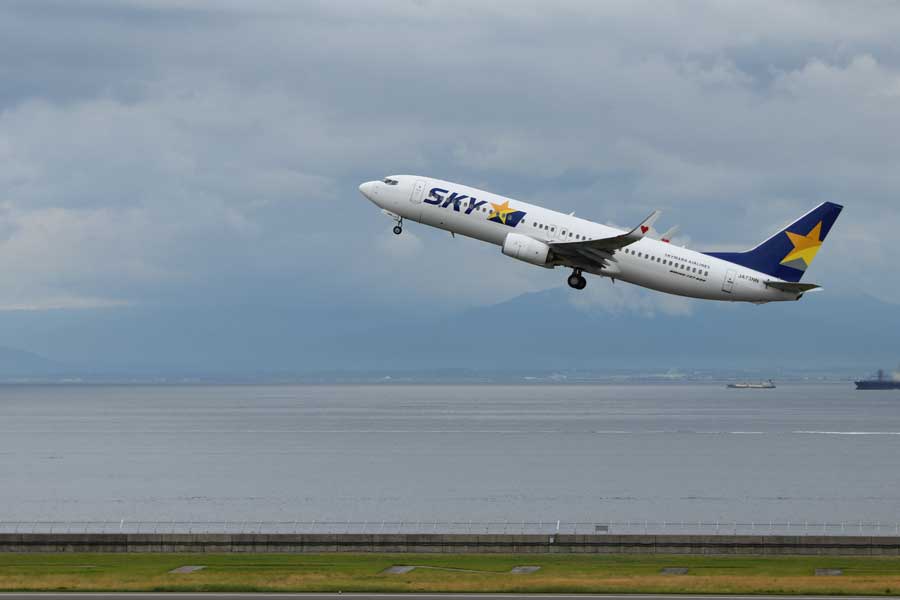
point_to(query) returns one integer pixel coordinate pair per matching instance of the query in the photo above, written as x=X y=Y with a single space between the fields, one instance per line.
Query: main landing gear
x=398 y=228
x=576 y=280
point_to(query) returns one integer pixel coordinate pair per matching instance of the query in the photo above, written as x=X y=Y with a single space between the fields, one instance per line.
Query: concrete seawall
x=452 y=543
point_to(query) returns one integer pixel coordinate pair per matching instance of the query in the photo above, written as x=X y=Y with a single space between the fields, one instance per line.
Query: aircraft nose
x=367 y=189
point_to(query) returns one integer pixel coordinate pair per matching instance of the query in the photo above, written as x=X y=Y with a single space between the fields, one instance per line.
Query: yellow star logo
x=805 y=246
x=500 y=211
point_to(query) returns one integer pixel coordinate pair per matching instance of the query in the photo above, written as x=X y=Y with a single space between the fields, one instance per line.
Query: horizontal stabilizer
x=789 y=286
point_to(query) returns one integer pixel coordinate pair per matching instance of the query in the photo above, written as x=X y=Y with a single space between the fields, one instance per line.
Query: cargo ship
x=765 y=385
x=879 y=383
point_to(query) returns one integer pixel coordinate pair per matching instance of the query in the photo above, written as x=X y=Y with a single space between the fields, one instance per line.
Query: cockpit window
x=390 y=181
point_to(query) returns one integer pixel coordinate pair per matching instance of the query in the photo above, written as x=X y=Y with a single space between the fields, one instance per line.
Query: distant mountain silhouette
x=548 y=330
x=544 y=330
x=20 y=364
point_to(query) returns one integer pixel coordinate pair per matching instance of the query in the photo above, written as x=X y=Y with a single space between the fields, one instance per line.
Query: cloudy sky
x=191 y=153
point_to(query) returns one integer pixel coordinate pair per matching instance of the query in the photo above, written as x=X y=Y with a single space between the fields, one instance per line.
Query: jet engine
x=527 y=249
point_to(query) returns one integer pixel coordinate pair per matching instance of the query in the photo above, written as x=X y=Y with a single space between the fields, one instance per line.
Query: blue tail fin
x=788 y=253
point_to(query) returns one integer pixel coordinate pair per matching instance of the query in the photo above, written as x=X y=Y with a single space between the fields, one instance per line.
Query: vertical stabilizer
x=787 y=254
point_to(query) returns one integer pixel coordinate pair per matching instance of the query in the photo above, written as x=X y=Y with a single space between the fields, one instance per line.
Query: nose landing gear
x=398 y=228
x=576 y=280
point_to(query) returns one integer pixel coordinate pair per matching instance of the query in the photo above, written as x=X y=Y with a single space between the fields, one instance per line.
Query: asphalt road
x=278 y=596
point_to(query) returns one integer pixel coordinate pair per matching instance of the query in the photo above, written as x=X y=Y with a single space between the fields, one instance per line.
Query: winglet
x=642 y=229
x=667 y=236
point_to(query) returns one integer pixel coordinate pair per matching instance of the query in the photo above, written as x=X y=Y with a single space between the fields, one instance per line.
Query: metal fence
x=866 y=528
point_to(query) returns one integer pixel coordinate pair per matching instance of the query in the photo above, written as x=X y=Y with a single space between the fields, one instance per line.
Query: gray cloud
x=192 y=152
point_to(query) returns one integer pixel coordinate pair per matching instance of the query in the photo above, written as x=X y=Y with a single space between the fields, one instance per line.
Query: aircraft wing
x=597 y=252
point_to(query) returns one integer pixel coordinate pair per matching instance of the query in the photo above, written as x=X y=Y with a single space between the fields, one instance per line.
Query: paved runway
x=280 y=596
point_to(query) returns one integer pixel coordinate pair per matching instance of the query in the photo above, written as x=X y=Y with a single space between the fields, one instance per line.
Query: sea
x=537 y=452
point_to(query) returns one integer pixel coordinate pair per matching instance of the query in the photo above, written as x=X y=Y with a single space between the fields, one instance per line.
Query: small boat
x=746 y=385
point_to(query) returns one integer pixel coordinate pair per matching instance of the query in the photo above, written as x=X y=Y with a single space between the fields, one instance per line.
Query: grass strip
x=570 y=573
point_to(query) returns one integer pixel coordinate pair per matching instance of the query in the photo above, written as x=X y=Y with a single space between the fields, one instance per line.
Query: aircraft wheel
x=397 y=230
x=582 y=283
x=575 y=280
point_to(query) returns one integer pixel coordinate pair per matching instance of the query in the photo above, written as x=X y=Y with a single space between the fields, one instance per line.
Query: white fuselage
x=648 y=262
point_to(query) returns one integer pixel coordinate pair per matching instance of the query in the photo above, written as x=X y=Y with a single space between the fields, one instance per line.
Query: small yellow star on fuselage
x=805 y=246
x=500 y=211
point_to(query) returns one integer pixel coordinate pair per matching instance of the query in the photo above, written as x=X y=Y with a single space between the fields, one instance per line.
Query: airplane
x=768 y=272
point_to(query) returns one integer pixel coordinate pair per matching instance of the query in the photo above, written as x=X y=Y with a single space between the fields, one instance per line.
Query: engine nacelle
x=528 y=249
